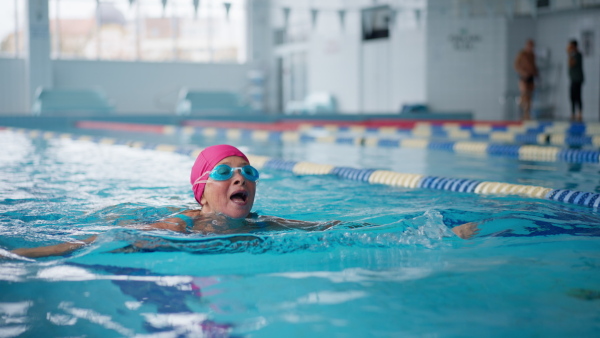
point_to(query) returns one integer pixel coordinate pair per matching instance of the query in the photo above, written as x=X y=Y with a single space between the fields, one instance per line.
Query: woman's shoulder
x=180 y=222
x=193 y=213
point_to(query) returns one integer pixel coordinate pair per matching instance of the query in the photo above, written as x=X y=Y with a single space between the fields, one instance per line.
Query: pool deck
x=57 y=121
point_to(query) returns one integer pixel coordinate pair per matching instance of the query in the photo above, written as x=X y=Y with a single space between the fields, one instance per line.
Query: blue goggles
x=223 y=172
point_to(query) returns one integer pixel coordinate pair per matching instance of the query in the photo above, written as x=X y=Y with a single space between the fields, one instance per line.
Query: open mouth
x=239 y=197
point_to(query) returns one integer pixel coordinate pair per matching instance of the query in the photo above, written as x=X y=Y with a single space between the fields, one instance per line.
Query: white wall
x=466 y=79
x=553 y=32
x=365 y=77
x=409 y=50
x=333 y=60
x=376 y=76
x=138 y=87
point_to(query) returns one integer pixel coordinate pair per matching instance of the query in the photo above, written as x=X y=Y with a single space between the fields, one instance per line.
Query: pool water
x=391 y=268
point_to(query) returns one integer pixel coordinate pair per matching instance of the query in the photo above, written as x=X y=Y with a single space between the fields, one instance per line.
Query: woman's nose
x=238 y=178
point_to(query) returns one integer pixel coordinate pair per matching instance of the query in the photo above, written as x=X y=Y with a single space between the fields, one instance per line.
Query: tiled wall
x=466 y=64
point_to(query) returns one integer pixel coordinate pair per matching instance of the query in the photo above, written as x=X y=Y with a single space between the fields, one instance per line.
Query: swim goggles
x=223 y=172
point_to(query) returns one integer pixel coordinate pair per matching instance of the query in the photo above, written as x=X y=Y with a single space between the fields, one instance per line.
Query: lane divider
x=477 y=127
x=372 y=176
x=530 y=132
x=541 y=133
x=521 y=152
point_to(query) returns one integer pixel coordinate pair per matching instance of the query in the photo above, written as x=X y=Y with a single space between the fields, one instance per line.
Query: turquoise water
x=391 y=268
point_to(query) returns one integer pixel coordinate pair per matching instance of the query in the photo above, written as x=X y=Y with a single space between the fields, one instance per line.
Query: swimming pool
x=533 y=269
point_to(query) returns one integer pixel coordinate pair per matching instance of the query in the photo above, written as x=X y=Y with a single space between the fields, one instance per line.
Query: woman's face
x=233 y=197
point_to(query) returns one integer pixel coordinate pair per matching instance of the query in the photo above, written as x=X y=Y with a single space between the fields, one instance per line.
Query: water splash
x=426 y=230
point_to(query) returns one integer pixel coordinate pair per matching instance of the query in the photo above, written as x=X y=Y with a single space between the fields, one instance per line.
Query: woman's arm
x=304 y=225
x=53 y=250
x=464 y=231
x=173 y=223
x=68 y=247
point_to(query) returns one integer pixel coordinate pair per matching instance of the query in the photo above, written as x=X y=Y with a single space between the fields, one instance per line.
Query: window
x=12 y=37
x=73 y=29
x=376 y=22
x=145 y=30
x=215 y=33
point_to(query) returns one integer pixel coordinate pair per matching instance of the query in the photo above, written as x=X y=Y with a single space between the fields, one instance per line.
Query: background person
x=576 y=77
x=527 y=71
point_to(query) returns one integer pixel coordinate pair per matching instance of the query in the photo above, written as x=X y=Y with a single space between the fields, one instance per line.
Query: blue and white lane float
x=540 y=133
x=522 y=152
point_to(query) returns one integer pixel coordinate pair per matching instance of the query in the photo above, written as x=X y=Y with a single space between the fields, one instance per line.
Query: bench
x=68 y=101
x=195 y=101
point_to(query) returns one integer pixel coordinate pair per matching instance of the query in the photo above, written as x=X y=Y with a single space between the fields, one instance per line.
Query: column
x=38 y=66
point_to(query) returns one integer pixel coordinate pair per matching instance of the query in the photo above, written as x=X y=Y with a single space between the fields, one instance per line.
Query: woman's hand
x=467 y=230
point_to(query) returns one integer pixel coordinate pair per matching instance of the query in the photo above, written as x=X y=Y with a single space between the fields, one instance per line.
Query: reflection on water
x=13 y=318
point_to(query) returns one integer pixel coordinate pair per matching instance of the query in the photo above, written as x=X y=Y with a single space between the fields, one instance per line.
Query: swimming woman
x=224 y=184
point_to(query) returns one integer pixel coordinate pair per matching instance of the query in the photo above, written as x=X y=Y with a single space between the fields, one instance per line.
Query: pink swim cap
x=207 y=160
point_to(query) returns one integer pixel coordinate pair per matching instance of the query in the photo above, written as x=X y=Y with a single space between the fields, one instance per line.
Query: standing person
x=527 y=70
x=576 y=76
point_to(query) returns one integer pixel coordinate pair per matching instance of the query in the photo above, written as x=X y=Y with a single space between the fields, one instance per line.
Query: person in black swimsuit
x=576 y=77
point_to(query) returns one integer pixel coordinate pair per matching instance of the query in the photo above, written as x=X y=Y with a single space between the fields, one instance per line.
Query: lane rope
x=372 y=176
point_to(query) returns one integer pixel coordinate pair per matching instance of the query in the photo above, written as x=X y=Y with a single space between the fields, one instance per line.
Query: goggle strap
x=199 y=181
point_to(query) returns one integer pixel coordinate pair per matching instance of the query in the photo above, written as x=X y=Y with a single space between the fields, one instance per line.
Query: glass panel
x=229 y=31
x=299 y=26
x=213 y=35
x=117 y=29
x=156 y=31
x=144 y=30
x=194 y=40
x=12 y=35
x=73 y=29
